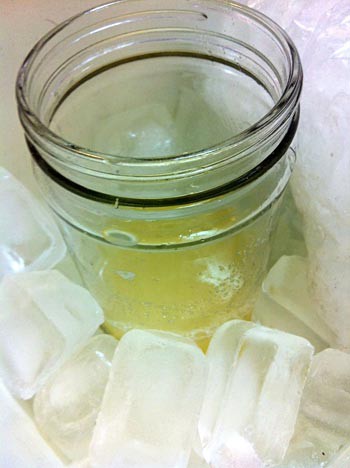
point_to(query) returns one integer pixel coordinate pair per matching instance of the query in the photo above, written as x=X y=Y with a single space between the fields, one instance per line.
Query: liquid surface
x=143 y=271
x=160 y=107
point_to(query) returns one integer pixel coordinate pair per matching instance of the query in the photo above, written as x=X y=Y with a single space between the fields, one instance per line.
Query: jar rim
x=276 y=116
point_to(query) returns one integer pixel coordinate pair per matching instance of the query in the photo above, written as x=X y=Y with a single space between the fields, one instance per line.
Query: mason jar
x=160 y=135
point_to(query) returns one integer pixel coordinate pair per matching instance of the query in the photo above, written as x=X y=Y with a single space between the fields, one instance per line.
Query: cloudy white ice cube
x=269 y=313
x=151 y=403
x=21 y=445
x=84 y=463
x=321 y=32
x=286 y=302
x=311 y=446
x=44 y=318
x=303 y=25
x=281 y=12
x=326 y=399
x=323 y=425
x=29 y=238
x=320 y=182
x=259 y=391
x=66 y=408
x=341 y=459
x=196 y=461
x=236 y=452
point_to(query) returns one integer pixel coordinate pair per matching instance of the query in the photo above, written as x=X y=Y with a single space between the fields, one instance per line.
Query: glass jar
x=160 y=137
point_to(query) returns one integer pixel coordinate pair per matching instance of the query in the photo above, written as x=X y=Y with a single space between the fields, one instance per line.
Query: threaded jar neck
x=207 y=35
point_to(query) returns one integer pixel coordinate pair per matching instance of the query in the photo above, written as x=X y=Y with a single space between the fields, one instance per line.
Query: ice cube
x=326 y=399
x=311 y=447
x=237 y=452
x=270 y=314
x=85 y=463
x=328 y=49
x=341 y=459
x=288 y=237
x=323 y=425
x=260 y=381
x=281 y=12
x=286 y=294
x=21 y=445
x=196 y=461
x=151 y=404
x=29 y=238
x=300 y=18
x=221 y=352
x=320 y=182
x=143 y=131
x=303 y=25
x=44 y=318
x=66 y=408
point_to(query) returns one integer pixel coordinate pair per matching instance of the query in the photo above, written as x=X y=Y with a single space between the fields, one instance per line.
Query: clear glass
x=160 y=138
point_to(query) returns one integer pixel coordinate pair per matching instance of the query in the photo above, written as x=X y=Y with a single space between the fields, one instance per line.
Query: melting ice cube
x=21 y=445
x=326 y=398
x=29 y=238
x=323 y=425
x=259 y=374
x=281 y=12
x=196 y=461
x=221 y=352
x=151 y=404
x=320 y=181
x=269 y=313
x=66 y=408
x=44 y=318
x=237 y=452
x=341 y=459
x=285 y=303
x=85 y=463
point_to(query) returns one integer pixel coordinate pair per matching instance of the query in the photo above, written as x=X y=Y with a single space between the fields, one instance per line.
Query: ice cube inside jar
x=170 y=160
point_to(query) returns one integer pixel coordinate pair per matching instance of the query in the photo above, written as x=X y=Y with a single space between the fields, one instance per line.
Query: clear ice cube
x=221 y=353
x=260 y=374
x=151 y=405
x=44 y=318
x=29 y=238
x=21 y=445
x=66 y=408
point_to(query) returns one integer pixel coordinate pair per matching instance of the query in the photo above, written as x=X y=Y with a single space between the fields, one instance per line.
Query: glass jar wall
x=160 y=139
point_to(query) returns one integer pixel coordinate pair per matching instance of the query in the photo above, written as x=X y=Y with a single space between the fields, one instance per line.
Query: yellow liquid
x=182 y=273
x=173 y=284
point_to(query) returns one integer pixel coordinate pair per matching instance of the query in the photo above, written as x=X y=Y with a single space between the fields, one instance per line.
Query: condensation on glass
x=160 y=137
